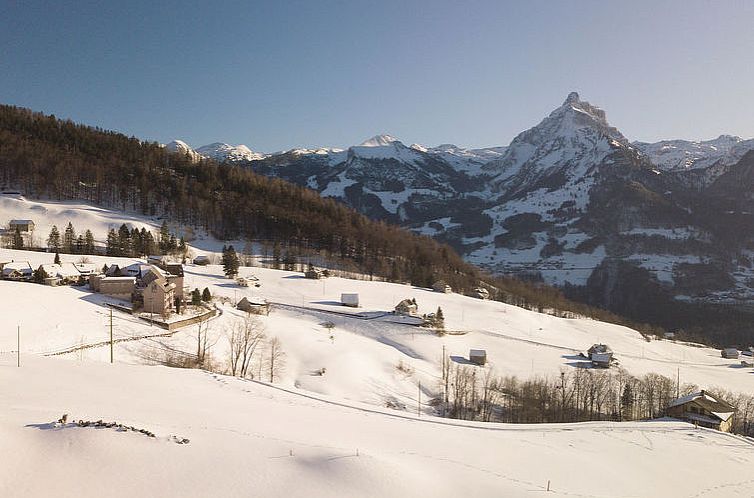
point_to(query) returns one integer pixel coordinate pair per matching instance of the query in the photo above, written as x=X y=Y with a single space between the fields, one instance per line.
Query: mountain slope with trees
x=44 y=157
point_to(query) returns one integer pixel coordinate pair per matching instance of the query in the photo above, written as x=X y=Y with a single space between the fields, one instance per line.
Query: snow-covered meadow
x=331 y=434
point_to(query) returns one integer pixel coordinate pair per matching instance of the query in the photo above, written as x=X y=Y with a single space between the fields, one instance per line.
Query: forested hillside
x=45 y=157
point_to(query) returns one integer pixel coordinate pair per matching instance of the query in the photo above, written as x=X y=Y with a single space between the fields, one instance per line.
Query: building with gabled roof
x=705 y=409
x=23 y=226
x=17 y=270
x=159 y=296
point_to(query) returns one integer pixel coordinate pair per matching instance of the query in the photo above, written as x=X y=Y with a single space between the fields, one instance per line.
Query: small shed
x=349 y=299
x=314 y=273
x=730 y=353
x=256 y=306
x=478 y=356
x=442 y=286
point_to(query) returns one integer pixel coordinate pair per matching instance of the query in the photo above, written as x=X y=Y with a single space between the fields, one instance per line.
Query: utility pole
x=678 y=383
x=18 y=346
x=419 y=407
x=444 y=383
x=111 y=334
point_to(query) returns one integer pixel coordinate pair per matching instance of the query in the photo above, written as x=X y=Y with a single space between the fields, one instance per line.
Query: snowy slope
x=250 y=439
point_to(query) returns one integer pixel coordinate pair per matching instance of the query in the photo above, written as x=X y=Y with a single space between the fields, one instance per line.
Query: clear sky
x=282 y=74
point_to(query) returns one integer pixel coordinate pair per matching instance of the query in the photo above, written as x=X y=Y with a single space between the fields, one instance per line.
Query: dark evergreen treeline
x=45 y=157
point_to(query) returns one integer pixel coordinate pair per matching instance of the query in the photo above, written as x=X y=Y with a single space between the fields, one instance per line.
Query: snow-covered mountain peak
x=378 y=141
x=181 y=147
x=572 y=98
x=220 y=151
x=574 y=135
x=683 y=155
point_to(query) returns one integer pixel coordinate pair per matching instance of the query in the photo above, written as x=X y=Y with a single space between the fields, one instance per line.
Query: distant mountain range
x=570 y=200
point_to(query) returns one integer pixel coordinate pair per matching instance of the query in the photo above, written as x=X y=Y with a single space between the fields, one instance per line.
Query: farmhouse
x=705 y=409
x=159 y=296
x=23 y=226
x=17 y=270
x=406 y=307
x=64 y=273
x=600 y=355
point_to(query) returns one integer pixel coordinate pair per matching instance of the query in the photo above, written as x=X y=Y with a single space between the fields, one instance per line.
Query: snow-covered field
x=331 y=434
x=251 y=439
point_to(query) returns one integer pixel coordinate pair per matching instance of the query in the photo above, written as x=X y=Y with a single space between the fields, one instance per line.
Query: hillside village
x=156 y=290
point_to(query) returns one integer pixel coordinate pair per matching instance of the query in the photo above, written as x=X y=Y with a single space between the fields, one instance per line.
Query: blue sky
x=276 y=75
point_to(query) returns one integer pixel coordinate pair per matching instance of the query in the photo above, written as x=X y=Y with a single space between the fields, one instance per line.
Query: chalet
x=64 y=273
x=23 y=226
x=478 y=356
x=159 y=296
x=730 y=353
x=17 y=270
x=442 y=286
x=255 y=306
x=406 y=307
x=703 y=408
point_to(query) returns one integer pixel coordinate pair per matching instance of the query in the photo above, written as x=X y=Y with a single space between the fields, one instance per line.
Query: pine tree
x=88 y=242
x=182 y=248
x=57 y=259
x=79 y=246
x=231 y=263
x=39 y=275
x=172 y=244
x=113 y=244
x=149 y=244
x=276 y=256
x=164 y=237
x=206 y=296
x=69 y=239
x=196 y=297
x=124 y=241
x=53 y=240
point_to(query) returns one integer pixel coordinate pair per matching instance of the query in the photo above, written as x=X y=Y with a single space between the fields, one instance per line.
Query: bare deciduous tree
x=244 y=337
x=276 y=359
